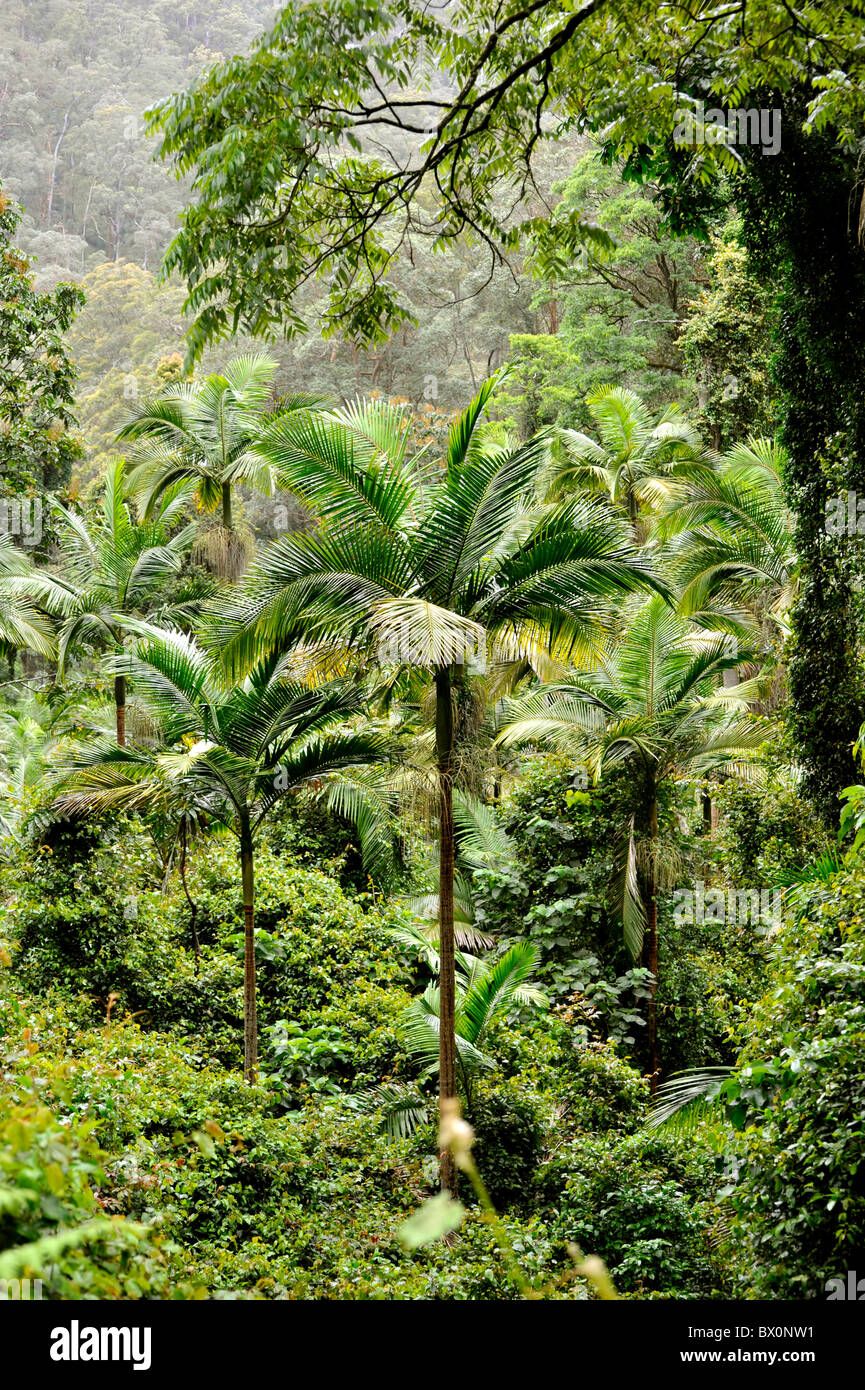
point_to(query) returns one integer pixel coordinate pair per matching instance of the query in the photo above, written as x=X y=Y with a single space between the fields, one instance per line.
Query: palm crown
x=639 y=459
x=112 y=567
x=730 y=537
x=203 y=433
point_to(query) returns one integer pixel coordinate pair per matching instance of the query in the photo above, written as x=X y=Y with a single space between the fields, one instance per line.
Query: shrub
x=644 y=1204
x=509 y=1131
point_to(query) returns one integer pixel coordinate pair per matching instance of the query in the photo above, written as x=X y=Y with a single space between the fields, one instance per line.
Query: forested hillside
x=432 y=726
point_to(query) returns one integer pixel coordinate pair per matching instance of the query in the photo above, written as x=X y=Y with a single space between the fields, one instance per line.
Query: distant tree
x=128 y=327
x=37 y=378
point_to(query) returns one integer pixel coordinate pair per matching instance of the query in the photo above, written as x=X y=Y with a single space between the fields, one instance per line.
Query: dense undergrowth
x=139 y=1164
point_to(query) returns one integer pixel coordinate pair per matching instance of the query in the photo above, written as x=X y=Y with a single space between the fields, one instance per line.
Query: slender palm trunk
x=250 y=1020
x=652 y=949
x=447 y=978
x=120 y=708
x=193 y=906
x=226 y=506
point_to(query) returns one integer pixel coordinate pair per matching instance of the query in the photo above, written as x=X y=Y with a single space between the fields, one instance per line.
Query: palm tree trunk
x=447 y=977
x=193 y=906
x=250 y=1020
x=120 y=708
x=652 y=951
x=226 y=506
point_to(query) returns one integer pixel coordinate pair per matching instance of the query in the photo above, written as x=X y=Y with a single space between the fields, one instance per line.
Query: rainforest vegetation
x=432 y=715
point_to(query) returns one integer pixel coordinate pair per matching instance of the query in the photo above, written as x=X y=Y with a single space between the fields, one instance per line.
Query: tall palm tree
x=729 y=541
x=112 y=567
x=640 y=457
x=422 y=567
x=233 y=752
x=655 y=703
x=203 y=433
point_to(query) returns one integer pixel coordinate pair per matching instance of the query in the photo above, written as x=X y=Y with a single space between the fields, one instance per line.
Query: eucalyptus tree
x=226 y=752
x=435 y=567
x=653 y=703
x=112 y=567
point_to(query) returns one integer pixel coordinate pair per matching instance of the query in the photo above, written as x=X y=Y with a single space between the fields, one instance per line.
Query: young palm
x=486 y=990
x=655 y=703
x=640 y=458
x=203 y=433
x=112 y=567
x=231 y=752
x=420 y=567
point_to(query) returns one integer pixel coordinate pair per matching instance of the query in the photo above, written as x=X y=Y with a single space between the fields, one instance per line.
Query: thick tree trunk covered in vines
x=250 y=1017
x=652 y=951
x=447 y=978
x=120 y=709
x=226 y=506
x=801 y=209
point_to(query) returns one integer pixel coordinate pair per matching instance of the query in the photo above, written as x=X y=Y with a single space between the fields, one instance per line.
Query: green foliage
x=55 y=1223
x=509 y=1135
x=37 y=378
x=544 y=385
x=767 y=831
x=799 y=1200
x=645 y=1206
x=558 y=889
x=726 y=342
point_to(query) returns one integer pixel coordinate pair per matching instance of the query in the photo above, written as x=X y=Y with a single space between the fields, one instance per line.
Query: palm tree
x=23 y=622
x=486 y=990
x=654 y=703
x=640 y=458
x=732 y=556
x=423 y=567
x=203 y=433
x=112 y=567
x=231 y=752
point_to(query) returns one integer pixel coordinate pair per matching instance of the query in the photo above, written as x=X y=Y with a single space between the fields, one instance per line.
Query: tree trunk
x=226 y=506
x=120 y=707
x=652 y=952
x=250 y=1020
x=193 y=906
x=447 y=978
